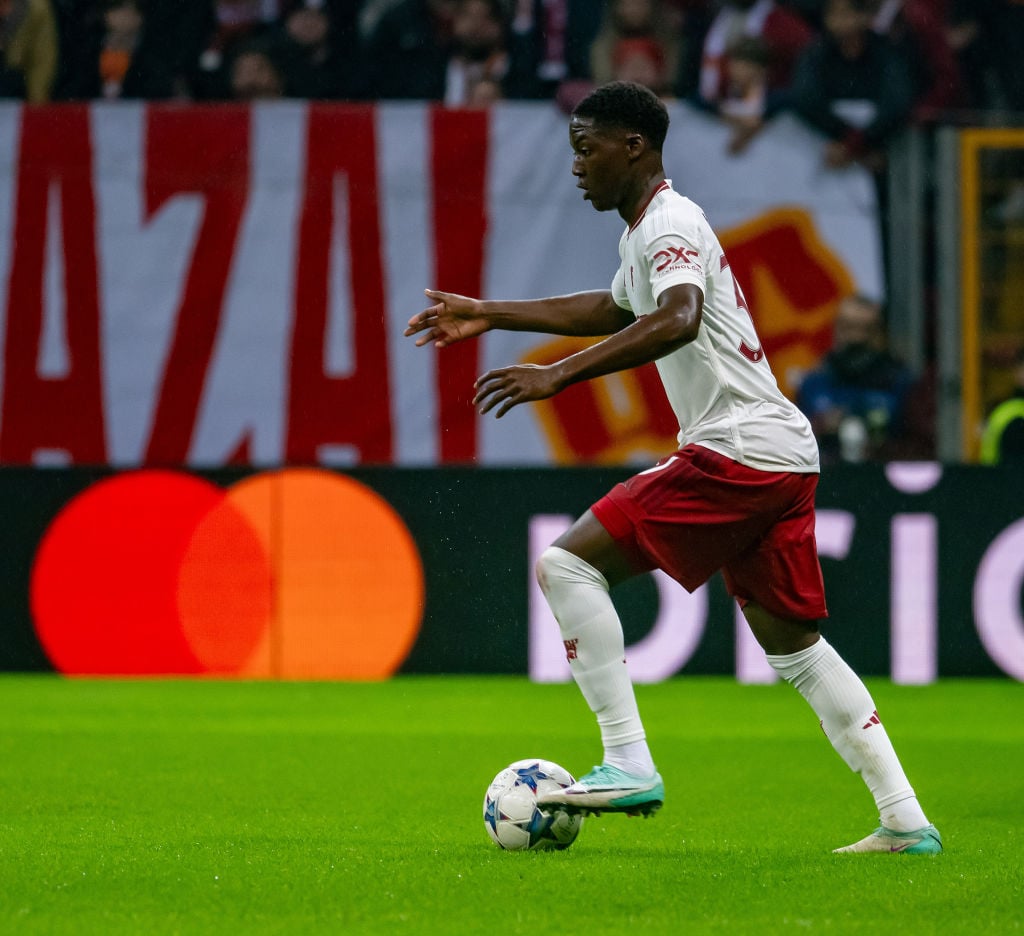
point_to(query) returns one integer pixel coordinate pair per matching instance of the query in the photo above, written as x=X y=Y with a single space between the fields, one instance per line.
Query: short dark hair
x=627 y=105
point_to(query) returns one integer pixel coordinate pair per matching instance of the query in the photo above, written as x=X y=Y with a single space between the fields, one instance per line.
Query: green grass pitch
x=188 y=807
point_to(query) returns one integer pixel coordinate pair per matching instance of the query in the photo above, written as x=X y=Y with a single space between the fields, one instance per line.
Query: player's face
x=600 y=163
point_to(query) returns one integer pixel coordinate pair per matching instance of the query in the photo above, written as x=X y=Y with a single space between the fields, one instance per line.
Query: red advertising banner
x=227 y=285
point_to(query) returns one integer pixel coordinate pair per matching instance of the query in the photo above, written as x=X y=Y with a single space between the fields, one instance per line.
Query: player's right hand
x=452 y=318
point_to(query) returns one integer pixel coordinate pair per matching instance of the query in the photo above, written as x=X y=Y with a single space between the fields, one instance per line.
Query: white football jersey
x=720 y=385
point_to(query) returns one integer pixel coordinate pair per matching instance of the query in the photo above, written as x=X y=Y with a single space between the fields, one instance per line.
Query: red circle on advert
x=105 y=590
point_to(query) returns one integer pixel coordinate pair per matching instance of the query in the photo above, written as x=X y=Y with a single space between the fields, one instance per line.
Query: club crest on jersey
x=676 y=257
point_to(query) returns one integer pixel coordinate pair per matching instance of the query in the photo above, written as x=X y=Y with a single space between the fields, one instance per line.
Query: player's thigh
x=781 y=572
x=588 y=539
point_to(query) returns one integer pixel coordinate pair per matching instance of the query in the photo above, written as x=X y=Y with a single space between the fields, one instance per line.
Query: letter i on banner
x=997 y=610
x=914 y=579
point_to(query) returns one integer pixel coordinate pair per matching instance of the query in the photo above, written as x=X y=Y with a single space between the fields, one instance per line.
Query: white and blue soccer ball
x=511 y=815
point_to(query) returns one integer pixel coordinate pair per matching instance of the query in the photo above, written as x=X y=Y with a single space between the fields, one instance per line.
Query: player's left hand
x=506 y=387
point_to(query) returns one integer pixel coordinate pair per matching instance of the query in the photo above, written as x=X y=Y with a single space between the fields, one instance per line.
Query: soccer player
x=738 y=494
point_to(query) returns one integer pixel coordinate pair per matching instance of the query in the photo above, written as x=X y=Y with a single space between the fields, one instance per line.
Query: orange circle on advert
x=349 y=586
x=296 y=574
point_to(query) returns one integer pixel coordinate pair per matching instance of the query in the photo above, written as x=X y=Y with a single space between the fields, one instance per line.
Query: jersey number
x=751 y=354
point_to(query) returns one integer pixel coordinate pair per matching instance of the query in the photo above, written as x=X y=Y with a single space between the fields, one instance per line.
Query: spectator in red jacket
x=783 y=33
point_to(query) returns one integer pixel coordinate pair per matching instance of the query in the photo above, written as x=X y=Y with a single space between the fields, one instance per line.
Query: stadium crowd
x=745 y=59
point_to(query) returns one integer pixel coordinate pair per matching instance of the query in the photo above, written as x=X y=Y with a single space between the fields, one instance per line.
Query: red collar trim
x=661 y=188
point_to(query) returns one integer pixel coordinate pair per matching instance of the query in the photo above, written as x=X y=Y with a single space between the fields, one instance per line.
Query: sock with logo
x=592 y=633
x=850 y=721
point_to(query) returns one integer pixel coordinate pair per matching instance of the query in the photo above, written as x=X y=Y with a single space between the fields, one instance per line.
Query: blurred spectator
x=407 y=50
x=856 y=398
x=313 y=66
x=235 y=23
x=918 y=28
x=123 y=22
x=174 y=38
x=29 y=50
x=255 y=73
x=480 y=63
x=1002 y=442
x=238 y=20
x=988 y=35
x=746 y=79
x=748 y=100
x=462 y=52
x=134 y=49
x=783 y=33
x=553 y=38
x=641 y=61
x=690 y=21
x=853 y=86
x=633 y=19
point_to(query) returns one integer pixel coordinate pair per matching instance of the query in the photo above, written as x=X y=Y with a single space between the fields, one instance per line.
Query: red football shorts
x=696 y=512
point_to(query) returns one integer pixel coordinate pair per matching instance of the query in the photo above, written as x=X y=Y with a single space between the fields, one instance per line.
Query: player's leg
x=783 y=571
x=575 y=574
x=687 y=516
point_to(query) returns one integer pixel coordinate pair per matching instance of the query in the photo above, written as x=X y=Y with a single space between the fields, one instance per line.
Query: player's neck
x=636 y=204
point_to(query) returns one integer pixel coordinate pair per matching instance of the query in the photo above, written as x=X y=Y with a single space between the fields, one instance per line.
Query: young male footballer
x=737 y=495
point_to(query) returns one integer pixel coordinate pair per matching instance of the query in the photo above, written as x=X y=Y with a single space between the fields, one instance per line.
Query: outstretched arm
x=675 y=323
x=454 y=318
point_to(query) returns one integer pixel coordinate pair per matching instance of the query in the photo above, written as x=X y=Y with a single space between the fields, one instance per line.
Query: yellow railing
x=992 y=272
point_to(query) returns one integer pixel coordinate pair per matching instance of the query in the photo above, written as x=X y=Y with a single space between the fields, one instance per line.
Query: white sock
x=850 y=721
x=634 y=758
x=592 y=633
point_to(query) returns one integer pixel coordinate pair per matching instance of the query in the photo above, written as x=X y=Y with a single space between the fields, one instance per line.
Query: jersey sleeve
x=676 y=257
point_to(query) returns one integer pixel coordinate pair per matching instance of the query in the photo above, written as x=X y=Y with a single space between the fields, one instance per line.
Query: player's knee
x=546 y=567
x=557 y=566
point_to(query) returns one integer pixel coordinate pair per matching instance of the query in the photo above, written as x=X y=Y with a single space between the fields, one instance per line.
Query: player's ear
x=636 y=144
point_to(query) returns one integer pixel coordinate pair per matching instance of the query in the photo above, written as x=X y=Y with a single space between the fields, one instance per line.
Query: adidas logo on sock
x=873 y=720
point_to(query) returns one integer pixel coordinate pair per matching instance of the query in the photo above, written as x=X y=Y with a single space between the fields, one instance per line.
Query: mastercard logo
x=290 y=574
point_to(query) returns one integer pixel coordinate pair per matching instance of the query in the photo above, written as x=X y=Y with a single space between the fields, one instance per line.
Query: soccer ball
x=512 y=817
